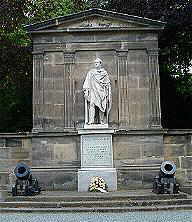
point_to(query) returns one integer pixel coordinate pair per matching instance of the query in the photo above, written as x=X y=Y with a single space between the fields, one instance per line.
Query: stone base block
x=56 y=178
x=3 y=195
x=96 y=126
x=108 y=174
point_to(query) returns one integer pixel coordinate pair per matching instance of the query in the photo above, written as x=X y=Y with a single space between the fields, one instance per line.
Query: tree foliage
x=15 y=88
x=39 y=10
x=16 y=59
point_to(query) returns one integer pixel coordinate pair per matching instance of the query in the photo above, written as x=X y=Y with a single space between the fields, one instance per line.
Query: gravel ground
x=161 y=216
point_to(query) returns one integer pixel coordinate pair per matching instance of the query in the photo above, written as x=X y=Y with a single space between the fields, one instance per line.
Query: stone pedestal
x=96 y=158
x=85 y=175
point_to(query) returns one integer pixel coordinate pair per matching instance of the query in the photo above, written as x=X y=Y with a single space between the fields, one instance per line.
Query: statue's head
x=98 y=63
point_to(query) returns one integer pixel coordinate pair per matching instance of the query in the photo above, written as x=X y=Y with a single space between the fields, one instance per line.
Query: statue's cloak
x=98 y=86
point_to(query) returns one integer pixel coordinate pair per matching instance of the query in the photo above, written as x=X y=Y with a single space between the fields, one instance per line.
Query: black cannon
x=25 y=184
x=166 y=181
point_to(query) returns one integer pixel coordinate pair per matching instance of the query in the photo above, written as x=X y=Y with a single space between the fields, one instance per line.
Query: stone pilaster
x=69 y=90
x=154 y=91
x=38 y=90
x=122 y=73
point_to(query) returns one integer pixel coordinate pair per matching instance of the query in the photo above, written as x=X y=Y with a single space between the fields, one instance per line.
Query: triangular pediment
x=95 y=18
x=99 y=22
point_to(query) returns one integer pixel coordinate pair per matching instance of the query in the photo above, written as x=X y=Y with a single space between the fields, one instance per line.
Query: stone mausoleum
x=64 y=50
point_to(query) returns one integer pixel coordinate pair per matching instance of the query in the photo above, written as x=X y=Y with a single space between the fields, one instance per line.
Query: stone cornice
x=48 y=25
x=114 y=29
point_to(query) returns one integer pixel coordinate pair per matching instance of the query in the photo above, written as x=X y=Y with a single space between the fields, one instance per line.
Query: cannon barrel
x=22 y=171
x=165 y=182
x=168 y=168
x=25 y=184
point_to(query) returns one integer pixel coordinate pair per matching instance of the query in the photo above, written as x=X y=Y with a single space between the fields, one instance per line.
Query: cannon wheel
x=156 y=188
x=36 y=186
x=14 y=191
x=27 y=188
x=28 y=191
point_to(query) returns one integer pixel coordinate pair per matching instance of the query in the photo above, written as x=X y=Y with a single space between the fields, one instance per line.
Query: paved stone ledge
x=101 y=209
x=120 y=201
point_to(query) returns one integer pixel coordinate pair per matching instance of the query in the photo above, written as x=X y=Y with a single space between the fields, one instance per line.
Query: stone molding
x=52 y=24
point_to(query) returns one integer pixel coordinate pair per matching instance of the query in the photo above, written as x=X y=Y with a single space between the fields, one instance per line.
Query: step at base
x=110 y=209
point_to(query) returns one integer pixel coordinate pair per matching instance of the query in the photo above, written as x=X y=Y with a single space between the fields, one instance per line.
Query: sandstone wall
x=137 y=157
x=178 y=148
x=14 y=148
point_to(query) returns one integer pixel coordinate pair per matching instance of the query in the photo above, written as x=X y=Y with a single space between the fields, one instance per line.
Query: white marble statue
x=97 y=93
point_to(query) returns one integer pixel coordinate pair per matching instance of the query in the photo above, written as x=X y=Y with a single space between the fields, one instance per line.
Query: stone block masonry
x=136 y=165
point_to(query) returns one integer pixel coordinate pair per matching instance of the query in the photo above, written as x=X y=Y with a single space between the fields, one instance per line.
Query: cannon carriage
x=25 y=184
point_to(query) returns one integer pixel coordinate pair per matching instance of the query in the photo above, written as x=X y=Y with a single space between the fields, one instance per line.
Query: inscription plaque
x=96 y=151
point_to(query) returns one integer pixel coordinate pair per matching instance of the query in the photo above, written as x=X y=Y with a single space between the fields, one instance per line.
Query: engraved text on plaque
x=96 y=151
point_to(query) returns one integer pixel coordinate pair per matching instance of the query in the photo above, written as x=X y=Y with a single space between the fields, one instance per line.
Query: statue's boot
x=101 y=116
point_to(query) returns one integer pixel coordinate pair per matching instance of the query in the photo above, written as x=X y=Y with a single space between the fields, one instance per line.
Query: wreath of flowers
x=97 y=184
